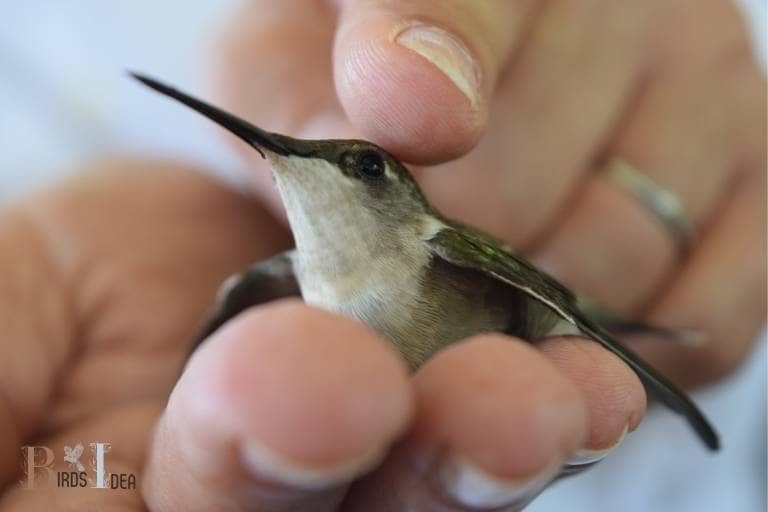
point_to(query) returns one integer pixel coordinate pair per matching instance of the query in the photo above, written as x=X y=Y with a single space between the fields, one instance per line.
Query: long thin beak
x=256 y=137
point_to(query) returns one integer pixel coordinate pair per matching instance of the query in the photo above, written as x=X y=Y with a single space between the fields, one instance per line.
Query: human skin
x=293 y=408
x=671 y=87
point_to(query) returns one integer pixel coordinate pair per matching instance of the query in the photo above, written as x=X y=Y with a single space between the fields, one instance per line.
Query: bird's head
x=340 y=191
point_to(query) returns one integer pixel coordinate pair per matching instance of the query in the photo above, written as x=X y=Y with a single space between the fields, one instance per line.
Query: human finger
x=278 y=410
x=71 y=282
x=495 y=420
x=720 y=291
x=418 y=76
x=613 y=393
x=553 y=110
x=679 y=134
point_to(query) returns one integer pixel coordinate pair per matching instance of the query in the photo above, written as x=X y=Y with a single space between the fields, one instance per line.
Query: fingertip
x=495 y=401
x=314 y=387
x=494 y=423
x=413 y=88
x=614 y=395
x=284 y=404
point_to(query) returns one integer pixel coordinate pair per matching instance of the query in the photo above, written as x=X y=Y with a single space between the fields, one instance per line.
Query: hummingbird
x=369 y=245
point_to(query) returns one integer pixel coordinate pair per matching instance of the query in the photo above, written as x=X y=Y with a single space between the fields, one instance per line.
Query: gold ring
x=664 y=204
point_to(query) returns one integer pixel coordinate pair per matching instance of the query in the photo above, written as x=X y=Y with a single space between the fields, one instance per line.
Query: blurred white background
x=65 y=98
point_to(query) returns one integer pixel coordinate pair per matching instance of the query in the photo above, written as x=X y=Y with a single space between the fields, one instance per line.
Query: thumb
x=279 y=410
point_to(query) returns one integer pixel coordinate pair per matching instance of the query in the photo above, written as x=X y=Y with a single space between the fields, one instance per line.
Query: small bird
x=370 y=246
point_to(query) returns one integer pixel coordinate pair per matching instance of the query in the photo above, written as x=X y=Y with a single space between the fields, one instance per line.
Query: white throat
x=347 y=260
x=324 y=211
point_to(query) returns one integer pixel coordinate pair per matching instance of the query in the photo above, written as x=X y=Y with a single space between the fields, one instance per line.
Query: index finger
x=417 y=76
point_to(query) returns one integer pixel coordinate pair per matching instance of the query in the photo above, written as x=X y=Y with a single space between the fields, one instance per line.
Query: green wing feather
x=469 y=248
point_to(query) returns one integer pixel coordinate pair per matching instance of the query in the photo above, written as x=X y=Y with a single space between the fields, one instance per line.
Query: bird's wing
x=469 y=248
x=620 y=325
x=265 y=281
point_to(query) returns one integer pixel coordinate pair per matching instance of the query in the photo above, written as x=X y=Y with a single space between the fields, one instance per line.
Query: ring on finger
x=662 y=203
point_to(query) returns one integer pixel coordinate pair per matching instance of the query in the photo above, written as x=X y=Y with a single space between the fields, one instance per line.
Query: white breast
x=381 y=292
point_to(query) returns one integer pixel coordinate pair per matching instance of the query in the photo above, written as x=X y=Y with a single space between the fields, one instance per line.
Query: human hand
x=106 y=281
x=550 y=90
x=547 y=90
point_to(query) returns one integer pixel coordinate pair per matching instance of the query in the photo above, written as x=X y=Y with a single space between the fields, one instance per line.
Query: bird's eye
x=371 y=165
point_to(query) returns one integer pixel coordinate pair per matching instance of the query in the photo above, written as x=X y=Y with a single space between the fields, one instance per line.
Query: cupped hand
x=535 y=97
x=106 y=280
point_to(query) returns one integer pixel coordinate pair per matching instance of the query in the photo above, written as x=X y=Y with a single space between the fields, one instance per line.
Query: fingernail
x=587 y=456
x=266 y=464
x=473 y=487
x=447 y=52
